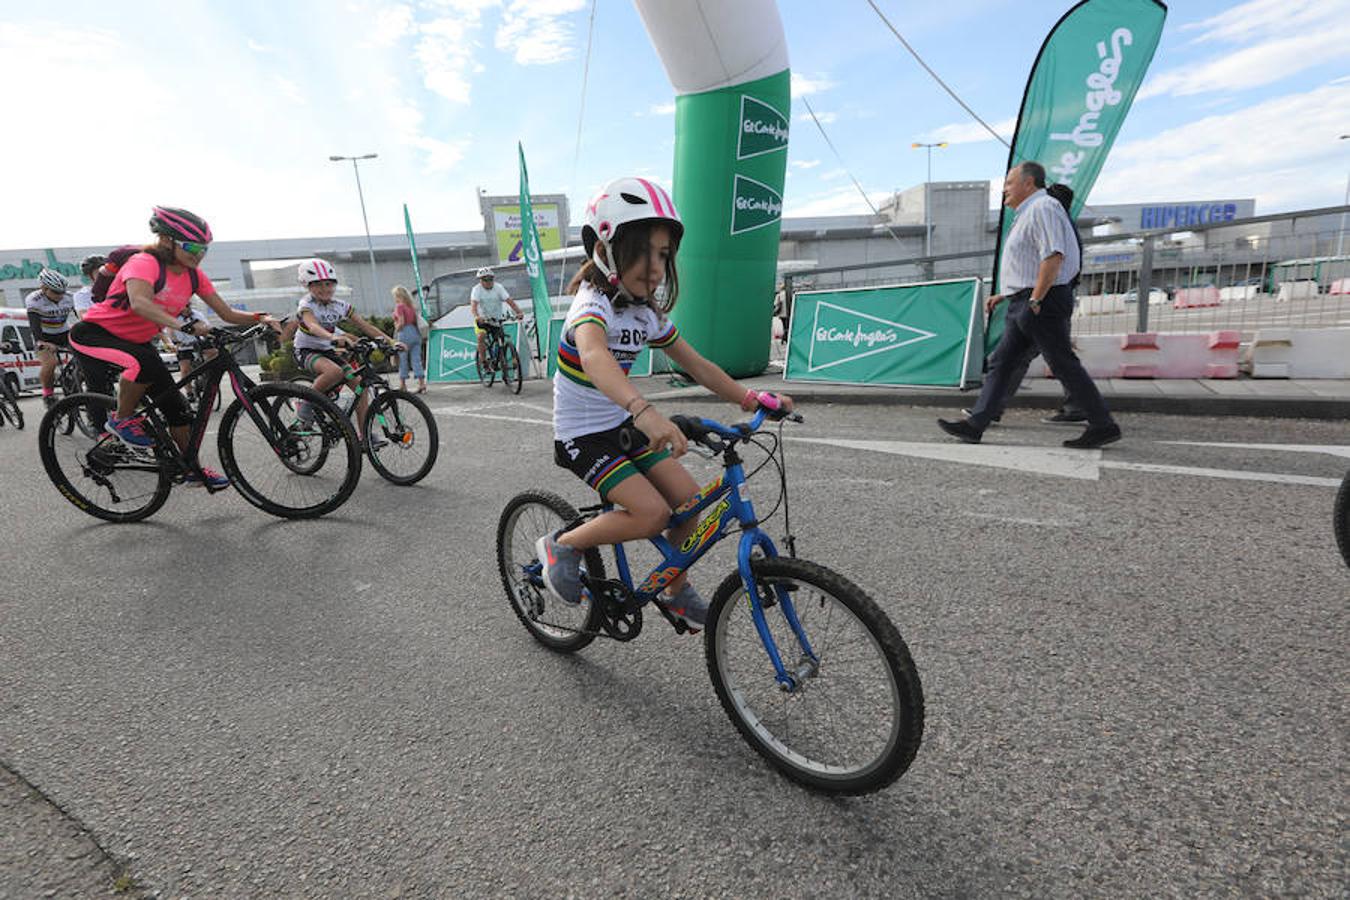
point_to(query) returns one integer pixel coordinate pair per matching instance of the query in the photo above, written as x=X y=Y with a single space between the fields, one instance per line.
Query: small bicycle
x=499 y=357
x=400 y=436
x=117 y=482
x=809 y=669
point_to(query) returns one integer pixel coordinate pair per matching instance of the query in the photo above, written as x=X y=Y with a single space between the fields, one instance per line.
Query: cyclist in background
x=485 y=302
x=120 y=332
x=319 y=313
x=49 y=311
x=84 y=297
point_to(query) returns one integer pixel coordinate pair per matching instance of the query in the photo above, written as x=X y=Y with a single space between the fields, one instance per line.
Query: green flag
x=1079 y=92
x=534 y=262
x=417 y=270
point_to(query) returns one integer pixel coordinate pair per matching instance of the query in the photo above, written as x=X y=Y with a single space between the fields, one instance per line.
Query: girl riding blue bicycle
x=624 y=293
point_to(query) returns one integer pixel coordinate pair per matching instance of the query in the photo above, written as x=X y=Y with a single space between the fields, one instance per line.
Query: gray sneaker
x=562 y=568
x=687 y=606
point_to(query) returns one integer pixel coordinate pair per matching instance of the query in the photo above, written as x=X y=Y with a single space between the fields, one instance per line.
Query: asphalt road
x=1135 y=681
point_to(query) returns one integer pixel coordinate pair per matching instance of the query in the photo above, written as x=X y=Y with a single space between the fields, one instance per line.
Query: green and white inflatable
x=727 y=60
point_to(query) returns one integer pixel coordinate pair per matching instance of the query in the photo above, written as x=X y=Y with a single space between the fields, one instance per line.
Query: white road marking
x=1081 y=464
x=1084 y=465
x=1331 y=449
x=452 y=411
x=1234 y=474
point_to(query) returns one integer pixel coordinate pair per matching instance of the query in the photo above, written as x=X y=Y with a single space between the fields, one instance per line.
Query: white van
x=18 y=360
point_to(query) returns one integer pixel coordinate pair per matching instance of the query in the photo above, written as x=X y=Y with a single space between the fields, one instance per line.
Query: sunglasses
x=192 y=248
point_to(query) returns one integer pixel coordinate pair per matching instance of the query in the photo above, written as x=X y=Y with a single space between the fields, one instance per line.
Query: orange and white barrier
x=1193 y=297
x=1155 y=355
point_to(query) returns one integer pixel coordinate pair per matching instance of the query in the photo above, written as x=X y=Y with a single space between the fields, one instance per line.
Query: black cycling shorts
x=60 y=340
x=599 y=460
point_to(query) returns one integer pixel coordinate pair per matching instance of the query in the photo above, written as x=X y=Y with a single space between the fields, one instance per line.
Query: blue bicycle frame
x=731 y=507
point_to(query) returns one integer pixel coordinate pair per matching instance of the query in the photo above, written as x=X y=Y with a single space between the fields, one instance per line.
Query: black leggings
x=102 y=354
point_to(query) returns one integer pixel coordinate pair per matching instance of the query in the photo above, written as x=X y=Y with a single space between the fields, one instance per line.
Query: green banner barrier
x=529 y=240
x=451 y=353
x=904 y=335
x=642 y=366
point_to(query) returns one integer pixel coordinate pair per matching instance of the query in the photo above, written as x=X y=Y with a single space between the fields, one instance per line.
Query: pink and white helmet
x=621 y=201
x=316 y=269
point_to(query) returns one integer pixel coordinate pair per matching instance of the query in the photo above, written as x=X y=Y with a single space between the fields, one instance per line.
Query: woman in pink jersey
x=150 y=291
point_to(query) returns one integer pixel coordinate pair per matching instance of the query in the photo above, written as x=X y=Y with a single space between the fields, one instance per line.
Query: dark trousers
x=1025 y=334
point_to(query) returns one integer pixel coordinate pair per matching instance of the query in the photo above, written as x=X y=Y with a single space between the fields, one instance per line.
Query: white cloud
x=841 y=201
x=970 y=132
x=662 y=109
x=1240 y=154
x=258 y=47
x=804 y=163
x=290 y=90
x=825 y=117
x=1290 y=36
x=803 y=86
x=832 y=174
x=536 y=32
x=392 y=23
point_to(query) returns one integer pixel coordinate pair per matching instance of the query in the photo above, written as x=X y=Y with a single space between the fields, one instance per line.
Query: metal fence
x=1290 y=270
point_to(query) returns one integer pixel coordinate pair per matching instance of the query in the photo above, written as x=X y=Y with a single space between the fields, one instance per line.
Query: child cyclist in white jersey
x=318 y=316
x=631 y=233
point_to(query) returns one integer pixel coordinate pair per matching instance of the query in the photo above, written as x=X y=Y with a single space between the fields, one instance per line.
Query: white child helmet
x=485 y=272
x=50 y=278
x=621 y=201
x=316 y=269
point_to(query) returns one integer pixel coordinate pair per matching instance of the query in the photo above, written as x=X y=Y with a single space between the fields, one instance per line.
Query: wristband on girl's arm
x=640 y=412
x=628 y=407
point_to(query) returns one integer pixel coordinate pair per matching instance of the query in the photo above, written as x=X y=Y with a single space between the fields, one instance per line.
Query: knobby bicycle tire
x=560 y=639
x=486 y=363
x=111 y=454
x=1342 y=518
x=383 y=409
x=266 y=399
x=754 y=718
x=510 y=359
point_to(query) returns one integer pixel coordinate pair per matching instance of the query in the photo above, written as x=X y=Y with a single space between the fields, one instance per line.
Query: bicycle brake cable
x=788 y=538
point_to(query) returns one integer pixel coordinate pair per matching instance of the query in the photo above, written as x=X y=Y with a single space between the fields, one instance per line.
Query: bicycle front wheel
x=101 y=475
x=265 y=460
x=512 y=376
x=1342 y=518
x=401 y=437
x=486 y=363
x=853 y=721
x=558 y=626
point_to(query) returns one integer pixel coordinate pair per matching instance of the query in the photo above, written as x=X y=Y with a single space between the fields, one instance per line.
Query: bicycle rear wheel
x=9 y=404
x=266 y=460
x=558 y=626
x=101 y=475
x=854 y=721
x=1342 y=518
x=408 y=429
x=512 y=376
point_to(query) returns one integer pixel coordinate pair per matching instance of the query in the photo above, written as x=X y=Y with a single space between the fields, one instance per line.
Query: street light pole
x=1340 y=237
x=370 y=248
x=928 y=197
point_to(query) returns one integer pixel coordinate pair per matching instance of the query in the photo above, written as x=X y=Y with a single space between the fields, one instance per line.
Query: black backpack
x=104 y=277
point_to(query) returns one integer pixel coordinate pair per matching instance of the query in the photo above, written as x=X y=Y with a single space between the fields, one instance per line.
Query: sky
x=231 y=109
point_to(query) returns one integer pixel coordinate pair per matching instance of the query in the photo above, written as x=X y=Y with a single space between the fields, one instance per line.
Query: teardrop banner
x=729 y=68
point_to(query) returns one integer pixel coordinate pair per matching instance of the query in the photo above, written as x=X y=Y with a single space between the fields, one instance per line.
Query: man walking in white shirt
x=1040 y=259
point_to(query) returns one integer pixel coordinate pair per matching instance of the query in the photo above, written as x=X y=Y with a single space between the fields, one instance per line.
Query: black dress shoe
x=1066 y=418
x=961 y=429
x=1095 y=436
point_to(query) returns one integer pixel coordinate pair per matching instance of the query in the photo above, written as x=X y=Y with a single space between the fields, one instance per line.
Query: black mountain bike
x=499 y=357
x=9 y=397
x=400 y=434
x=68 y=380
x=112 y=480
x=1341 y=518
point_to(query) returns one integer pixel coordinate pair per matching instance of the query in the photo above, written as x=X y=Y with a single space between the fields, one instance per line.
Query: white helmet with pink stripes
x=316 y=269
x=620 y=202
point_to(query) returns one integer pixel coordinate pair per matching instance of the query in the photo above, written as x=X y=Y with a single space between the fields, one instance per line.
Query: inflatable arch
x=727 y=60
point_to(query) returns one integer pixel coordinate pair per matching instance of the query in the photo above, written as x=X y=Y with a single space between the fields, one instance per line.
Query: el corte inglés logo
x=763 y=129
x=755 y=205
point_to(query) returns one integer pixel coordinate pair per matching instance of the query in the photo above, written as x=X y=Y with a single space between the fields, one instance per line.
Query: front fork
x=788 y=681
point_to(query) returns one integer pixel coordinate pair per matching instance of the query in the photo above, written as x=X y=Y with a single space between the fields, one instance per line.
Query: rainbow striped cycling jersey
x=578 y=406
x=54 y=314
